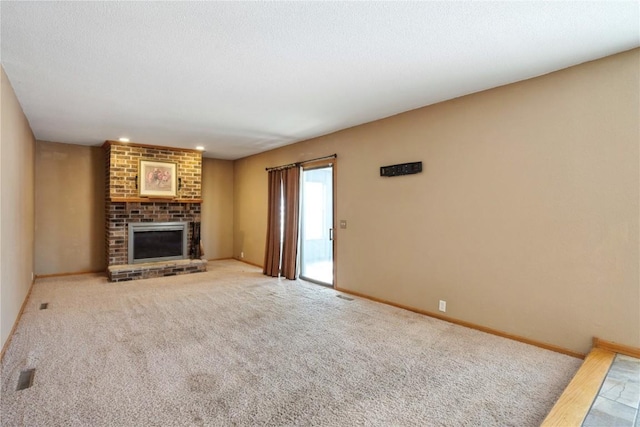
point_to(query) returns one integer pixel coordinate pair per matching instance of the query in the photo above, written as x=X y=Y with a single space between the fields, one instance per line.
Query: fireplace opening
x=157 y=241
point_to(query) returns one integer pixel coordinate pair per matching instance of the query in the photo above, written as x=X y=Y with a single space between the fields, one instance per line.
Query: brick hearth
x=121 y=273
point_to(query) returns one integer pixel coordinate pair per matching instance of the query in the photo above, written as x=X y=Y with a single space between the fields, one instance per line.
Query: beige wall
x=69 y=208
x=217 y=208
x=16 y=208
x=524 y=220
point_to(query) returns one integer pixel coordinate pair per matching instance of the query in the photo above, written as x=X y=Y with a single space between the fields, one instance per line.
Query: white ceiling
x=244 y=77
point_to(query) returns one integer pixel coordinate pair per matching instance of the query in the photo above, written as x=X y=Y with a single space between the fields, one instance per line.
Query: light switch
x=343 y=223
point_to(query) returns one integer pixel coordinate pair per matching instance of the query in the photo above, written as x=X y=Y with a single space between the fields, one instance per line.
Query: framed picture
x=158 y=179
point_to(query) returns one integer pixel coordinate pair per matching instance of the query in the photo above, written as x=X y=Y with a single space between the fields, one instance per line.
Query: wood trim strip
x=627 y=350
x=574 y=403
x=75 y=273
x=219 y=259
x=151 y=200
x=466 y=324
x=155 y=147
x=247 y=262
x=15 y=324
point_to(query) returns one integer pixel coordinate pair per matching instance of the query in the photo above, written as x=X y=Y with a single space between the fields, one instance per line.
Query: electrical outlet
x=442 y=306
x=241 y=255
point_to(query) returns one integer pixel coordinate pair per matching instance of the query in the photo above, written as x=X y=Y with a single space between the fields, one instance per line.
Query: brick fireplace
x=124 y=206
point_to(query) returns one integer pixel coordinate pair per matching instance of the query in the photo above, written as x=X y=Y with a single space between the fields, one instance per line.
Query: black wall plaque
x=401 y=169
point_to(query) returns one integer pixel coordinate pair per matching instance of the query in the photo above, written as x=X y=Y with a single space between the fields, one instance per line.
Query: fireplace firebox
x=157 y=241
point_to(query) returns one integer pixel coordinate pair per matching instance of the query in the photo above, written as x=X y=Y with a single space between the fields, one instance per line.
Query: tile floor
x=618 y=401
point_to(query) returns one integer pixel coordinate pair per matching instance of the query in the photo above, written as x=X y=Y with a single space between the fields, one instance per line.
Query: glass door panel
x=316 y=231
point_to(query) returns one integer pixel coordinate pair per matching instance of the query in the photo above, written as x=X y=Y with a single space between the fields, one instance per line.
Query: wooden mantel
x=151 y=200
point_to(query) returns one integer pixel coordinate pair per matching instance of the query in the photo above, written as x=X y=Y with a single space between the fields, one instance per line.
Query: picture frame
x=158 y=179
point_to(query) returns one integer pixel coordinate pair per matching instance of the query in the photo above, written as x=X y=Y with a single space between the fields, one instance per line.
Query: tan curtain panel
x=272 y=249
x=291 y=181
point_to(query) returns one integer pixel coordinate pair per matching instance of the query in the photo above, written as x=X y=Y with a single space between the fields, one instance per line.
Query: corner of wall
x=17 y=223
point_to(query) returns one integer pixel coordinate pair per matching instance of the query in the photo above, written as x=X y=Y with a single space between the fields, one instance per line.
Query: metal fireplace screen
x=157 y=241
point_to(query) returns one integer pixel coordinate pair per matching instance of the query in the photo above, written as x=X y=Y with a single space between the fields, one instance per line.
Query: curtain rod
x=291 y=165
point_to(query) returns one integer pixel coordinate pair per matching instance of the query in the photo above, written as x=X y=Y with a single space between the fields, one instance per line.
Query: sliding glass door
x=316 y=227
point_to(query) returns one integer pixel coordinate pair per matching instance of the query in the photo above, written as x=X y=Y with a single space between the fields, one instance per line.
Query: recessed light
x=200 y=147
x=123 y=139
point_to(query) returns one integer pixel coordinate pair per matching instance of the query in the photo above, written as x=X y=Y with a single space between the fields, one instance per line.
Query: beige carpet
x=234 y=347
